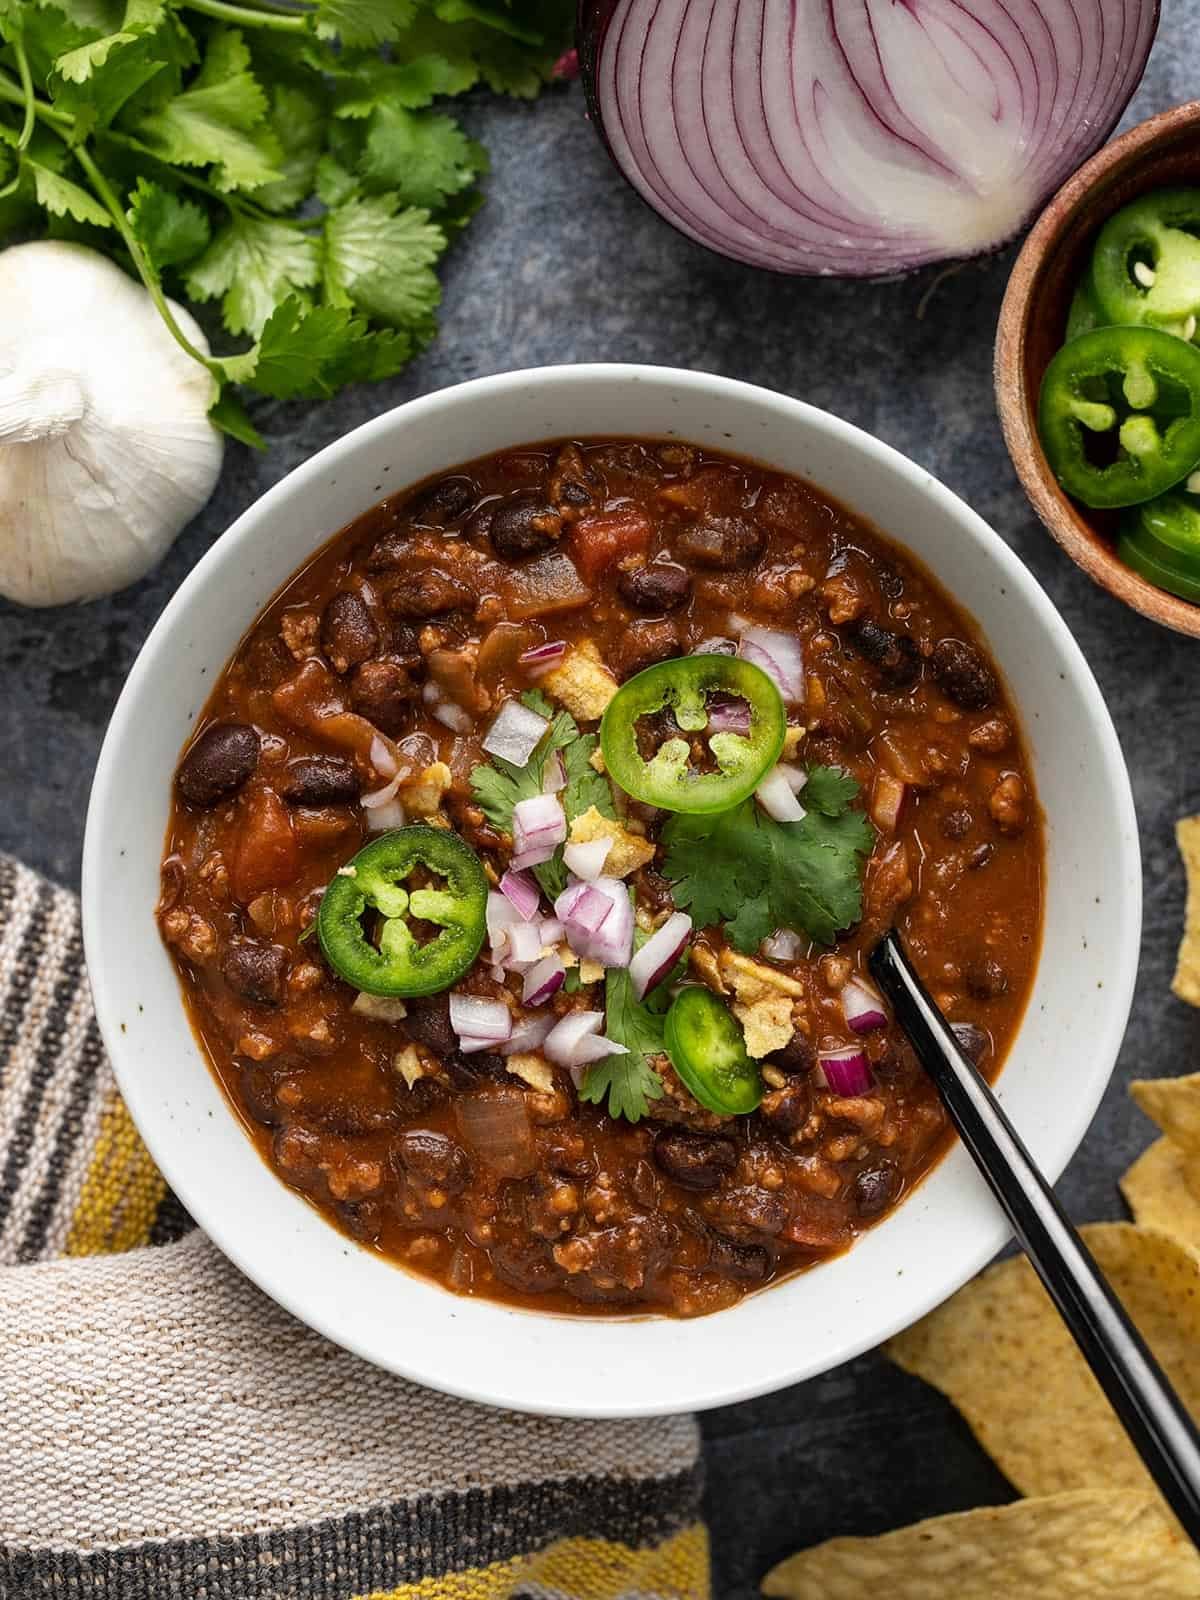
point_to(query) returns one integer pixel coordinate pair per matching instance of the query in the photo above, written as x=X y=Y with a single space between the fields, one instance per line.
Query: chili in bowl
x=521 y=864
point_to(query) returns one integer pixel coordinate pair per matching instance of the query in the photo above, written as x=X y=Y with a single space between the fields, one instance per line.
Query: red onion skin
x=593 y=23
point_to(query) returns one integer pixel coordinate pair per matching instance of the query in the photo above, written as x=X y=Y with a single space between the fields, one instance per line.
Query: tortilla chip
x=1085 y=1546
x=754 y=980
x=627 y=853
x=1186 y=983
x=1162 y=1189
x=422 y=795
x=532 y=1069
x=791 y=742
x=1000 y=1352
x=582 y=683
x=767 y=1025
x=1174 y=1103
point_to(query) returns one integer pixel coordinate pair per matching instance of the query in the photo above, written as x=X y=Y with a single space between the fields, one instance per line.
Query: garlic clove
x=106 y=450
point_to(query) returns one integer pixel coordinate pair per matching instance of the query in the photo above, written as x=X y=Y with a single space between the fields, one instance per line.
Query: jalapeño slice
x=688 y=690
x=1161 y=540
x=363 y=922
x=708 y=1052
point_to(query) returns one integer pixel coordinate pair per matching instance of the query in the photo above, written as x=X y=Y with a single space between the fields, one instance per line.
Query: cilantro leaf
x=140 y=17
x=365 y=82
x=381 y=260
x=62 y=198
x=498 y=786
x=829 y=790
x=220 y=119
x=297 y=120
x=753 y=874
x=169 y=229
x=254 y=265
x=228 y=414
x=366 y=22
x=421 y=156
x=307 y=352
x=627 y=1082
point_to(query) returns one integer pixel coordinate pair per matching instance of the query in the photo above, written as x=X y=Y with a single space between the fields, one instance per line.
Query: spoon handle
x=1136 y=1386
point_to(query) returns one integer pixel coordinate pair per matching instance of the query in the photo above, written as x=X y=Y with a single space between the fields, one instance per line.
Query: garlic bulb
x=106 y=450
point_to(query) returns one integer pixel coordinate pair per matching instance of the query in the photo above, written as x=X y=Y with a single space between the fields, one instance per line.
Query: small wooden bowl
x=1165 y=150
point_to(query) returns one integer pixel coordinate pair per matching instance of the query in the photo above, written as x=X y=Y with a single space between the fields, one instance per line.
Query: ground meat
x=962 y=675
x=956 y=824
x=1007 y=804
x=894 y=655
x=642 y=644
x=430 y=593
x=348 y=635
x=615 y=1259
x=218 y=764
x=991 y=736
x=724 y=543
x=255 y=971
x=658 y=587
x=384 y=692
x=320 y=781
x=747 y=1214
x=694 y=1160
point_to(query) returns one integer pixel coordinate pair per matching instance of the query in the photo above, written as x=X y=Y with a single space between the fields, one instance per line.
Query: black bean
x=384 y=692
x=986 y=980
x=786 y=1110
x=659 y=587
x=218 y=764
x=519 y=526
x=320 y=781
x=724 y=543
x=980 y=856
x=433 y=1158
x=956 y=824
x=962 y=675
x=894 y=655
x=258 y=1095
x=428 y=1023
x=442 y=502
x=255 y=971
x=643 y=644
x=694 y=1160
x=875 y=1189
x=973 y=1041
x=429 y=594
x=348 y=635
x=797 y=1056
x=746 y=1263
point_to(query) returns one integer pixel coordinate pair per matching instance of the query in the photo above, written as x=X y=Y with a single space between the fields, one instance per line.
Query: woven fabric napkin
x=166 y=1430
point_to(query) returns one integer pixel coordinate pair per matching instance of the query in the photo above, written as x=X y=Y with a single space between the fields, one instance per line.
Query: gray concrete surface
x=564 y=264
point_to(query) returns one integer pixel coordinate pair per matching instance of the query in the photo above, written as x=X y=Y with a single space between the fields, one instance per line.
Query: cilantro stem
x=27 y=126
x=145 y=271
x=244 y=17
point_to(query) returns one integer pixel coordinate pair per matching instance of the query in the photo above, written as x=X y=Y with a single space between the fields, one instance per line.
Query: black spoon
x=1137 y=1388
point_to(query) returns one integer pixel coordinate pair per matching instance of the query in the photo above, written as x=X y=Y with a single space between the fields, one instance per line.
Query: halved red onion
x=543 y=980
x=845 y=1072
x=586 y=861
x=479 y=1020
x=576 y=1040
x=542 y=657
x=728 y=715
x=611 y=944
x=781 y=657
x=777 y=798
x=454 y=717
x=385 y=817
x=785 y=944
x=862 y=1007
x=524 y=945
x=659 y=954
x=522 y=892
x=554 y=774
x=854 y=139
x=539 y=826
x=515 y=733
x=528 y=1033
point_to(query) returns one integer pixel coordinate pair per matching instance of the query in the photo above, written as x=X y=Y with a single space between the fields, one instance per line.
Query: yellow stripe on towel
x=581 y=1569
x=121 y=1193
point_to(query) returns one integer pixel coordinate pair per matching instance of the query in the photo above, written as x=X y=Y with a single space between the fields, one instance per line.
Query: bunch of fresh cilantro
x=269 y=156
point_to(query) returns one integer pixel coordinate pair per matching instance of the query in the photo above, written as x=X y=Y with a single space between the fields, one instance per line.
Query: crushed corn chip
x=791 y=742
x=1187 y=971
x=754 y=980
x=532 y=1069
x=627 y=852
x=379 y=1007
x=422 y=795
x=767 y=1025
x=409 y=1065
x=582 y=683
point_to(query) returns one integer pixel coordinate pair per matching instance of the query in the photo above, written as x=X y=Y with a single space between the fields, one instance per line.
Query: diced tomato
x=267 y=854
x=598 y=542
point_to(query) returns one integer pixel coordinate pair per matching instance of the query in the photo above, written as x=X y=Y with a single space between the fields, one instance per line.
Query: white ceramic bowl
x=949 y=1228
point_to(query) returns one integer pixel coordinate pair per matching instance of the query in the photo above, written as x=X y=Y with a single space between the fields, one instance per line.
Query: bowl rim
x=1017 y=408
x=486 y=1386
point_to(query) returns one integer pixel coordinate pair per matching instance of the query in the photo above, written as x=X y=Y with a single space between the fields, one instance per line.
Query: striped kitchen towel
x=167 y=1431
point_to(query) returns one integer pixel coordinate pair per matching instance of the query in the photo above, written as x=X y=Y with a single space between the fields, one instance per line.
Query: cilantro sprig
x=628 y=1082
x=499 y=785
x=265 y=157
x=754 y=875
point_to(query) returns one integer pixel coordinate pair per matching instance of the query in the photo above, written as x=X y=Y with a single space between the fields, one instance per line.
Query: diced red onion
x=385 y=817
x=586 y=861
x=796 y=776
x=853 y=139
x=716 y=645
x=576 y=1040
x=524 y=945
x=844 y=1072
x=582 y=907
x=381 y=797
x=522 y=892
x=383 y=757
x=737 y=623
x=862 y=1007
x=431 y=693
x=454 y=717
x=515 y=733
x=479 y=1020
x=543 y=980
x=554 y=775
x=785 y=944
x=418 y=749
x=659 y=954
x=497 y=1128
x=728 y=716
x=777 y=798
x=611 y=944
x=781 y=657
x=529 y=1033
x=542 y=657
x=888 y=795
x=539 y=826
x=551 y=930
